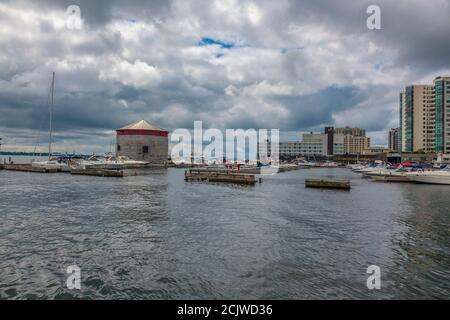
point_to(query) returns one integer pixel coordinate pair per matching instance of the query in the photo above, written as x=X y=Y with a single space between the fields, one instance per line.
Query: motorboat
x=329 y=164
x=391 y=176
x=355 y=166
x=97 y=162
x=306 y=164
x=52 y=164
x=368 y=169
x=382 y=171
x=432 y=177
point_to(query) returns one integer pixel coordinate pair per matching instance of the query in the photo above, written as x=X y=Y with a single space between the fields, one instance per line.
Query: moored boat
x=396 y=176
x=431 y=177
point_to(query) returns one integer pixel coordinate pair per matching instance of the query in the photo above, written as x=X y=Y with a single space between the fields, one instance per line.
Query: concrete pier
x=218 y=176
x=27 y=168
x=98 y=172
x=328 y=184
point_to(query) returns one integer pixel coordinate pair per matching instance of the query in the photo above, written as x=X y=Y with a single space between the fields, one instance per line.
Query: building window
x=145 y=149
x=118 y=148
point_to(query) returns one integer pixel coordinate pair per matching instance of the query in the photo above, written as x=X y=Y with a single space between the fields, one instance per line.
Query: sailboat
x=51 y=163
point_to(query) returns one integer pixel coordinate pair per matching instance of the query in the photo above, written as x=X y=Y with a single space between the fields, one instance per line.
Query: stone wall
x=132 y=146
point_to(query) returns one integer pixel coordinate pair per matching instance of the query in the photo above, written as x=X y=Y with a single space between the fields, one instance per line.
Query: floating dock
x=328 y=184
x=220 y=176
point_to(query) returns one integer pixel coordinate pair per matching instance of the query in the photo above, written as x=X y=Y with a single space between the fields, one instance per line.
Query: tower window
x=118 y=148
x=145 y=149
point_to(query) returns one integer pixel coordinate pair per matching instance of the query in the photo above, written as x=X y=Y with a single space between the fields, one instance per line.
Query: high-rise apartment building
x=442 y=114
x=394 y=140
x=425 y=116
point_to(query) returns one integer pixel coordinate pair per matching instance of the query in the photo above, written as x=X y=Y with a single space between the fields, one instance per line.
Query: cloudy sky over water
x=292 y=65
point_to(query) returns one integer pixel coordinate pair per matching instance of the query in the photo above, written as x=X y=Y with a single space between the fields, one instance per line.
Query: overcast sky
x=292 y=65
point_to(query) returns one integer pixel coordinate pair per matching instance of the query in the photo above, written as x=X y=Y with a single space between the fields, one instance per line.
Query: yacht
x=368 y=169
x=432 y=177
x=52 y=164
x=108 y=162
x=127 y=162
x=97 y=162
x=306 y=164
x=397 y=175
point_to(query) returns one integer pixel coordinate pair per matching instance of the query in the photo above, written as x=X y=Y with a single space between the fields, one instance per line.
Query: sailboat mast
x=51 y=117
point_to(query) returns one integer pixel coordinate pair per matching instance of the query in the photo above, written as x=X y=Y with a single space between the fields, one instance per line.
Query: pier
x=220 y=176
x=26 y=168
x=328 y=184
x=98 y=173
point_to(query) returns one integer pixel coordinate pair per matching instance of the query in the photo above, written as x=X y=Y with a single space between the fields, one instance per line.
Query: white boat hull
x=51 y=166
x=391 y=178
x=431 y=179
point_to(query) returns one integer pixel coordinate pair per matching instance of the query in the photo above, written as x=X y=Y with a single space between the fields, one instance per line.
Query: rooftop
x=141 y=125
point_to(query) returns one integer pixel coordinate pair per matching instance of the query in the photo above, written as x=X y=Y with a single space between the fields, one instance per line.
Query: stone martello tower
x=143 y=141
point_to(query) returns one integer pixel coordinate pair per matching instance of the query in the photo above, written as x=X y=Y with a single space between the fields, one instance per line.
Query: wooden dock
x=220 y=176
x=328 y=184
x=27 y=168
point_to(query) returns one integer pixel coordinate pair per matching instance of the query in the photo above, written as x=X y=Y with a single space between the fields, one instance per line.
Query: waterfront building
x=313 y=144
x=144 y=142
x=338 y=144
x=348 y=131
x=418 y=118
x=442 y=111
x=355 y=145
x=290 y=149
x=394 y=139
x=330 y=143
x=425 y=117
x=354 y=140
x=376 y=150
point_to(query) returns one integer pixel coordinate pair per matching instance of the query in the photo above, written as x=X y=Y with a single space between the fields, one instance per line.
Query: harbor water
x=158 y=237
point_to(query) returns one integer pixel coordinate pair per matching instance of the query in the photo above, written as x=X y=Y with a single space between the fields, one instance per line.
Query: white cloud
x=135 y=62
x=138 y=74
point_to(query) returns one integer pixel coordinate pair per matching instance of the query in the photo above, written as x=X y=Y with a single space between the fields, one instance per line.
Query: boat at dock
x=431 y=177
x=108 y=162
x=394 y=176
x=53 y=163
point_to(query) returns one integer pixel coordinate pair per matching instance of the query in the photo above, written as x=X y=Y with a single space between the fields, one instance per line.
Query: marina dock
x=26 y=168
x=328 y=184
x=98 y=173
x=219 y=176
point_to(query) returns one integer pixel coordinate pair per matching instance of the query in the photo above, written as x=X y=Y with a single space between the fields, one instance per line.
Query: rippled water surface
x=158 y=237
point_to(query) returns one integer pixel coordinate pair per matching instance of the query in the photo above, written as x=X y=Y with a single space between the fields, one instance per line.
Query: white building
x=312 y=144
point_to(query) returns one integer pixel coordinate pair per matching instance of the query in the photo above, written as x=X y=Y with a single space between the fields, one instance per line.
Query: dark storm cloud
x=99 y=12
x=418 y=30
x=316 y=110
